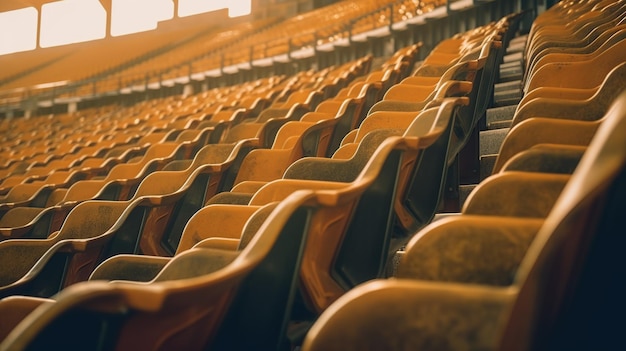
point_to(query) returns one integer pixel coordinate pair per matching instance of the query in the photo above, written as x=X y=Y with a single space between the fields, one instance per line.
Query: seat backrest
x=91 y=218
x=588 y=109
x=568 y=265
x=349 y=243
x=186 y=304
x=562 y=74
x=425 y=182
x=129 y=170
x=209 y=154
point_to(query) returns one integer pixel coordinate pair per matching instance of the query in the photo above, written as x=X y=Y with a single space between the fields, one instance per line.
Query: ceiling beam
x=9 y=5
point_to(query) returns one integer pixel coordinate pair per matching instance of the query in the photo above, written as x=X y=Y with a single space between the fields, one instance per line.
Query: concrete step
x=511 y=65
x=514 y=57
x=499 y=114
x=490 y=141
x=504 y=86
x=507 y=97
x=510 y=74
x=515 y=47
x=465 y=191
x=440 y=216
x=519 y=39
x=486 y=165
x=392 y=265
x=499 y=124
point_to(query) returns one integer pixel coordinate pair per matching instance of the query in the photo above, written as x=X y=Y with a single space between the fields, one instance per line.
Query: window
x=192 y=7
x=74 y=21
x=71 y=21
x=133 y=16
x=18 y=30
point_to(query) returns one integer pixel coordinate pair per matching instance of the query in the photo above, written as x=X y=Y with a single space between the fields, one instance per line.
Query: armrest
x=516 y=194
x=469 y=249
x=130 y=267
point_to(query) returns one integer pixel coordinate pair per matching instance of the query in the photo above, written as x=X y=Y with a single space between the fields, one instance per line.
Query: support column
x=108 y=5
x=39 y=25
x=175 y=8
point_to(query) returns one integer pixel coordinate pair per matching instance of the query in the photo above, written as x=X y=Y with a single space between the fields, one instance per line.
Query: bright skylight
x=133 y=16
x=71 y=21
x=193 y=7
x=18 y=30
x=240 y=8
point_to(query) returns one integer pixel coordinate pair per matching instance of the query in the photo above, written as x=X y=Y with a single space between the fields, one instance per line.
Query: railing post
x=222 y=59
x=350 y=24
x=390 y=17
x=289 y=48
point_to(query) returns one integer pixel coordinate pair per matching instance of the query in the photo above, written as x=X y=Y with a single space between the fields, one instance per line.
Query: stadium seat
x=272 y=183
x=204 y=286
x=576 y=119
x=531 y=270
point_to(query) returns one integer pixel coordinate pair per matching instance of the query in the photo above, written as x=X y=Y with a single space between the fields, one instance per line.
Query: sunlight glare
x=72 y=21
x=193 y=7
x=18 y=30
x=240 y=8
x=133 y=16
